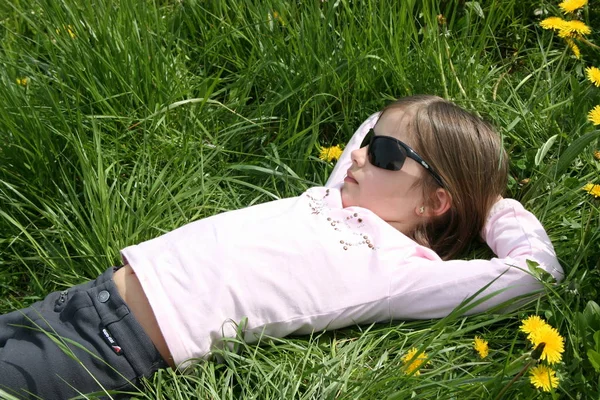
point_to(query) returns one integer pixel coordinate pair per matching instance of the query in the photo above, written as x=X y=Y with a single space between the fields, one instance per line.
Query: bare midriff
x=130 y=289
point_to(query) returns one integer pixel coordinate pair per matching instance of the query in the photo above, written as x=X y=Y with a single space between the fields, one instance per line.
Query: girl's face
x=392 y=195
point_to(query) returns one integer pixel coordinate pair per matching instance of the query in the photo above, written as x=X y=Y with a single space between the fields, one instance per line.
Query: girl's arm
x=433 y=288
x=429 y=288
x=339 y=171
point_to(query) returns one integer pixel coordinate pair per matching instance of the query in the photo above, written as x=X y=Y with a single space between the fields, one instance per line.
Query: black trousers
x=78 y=341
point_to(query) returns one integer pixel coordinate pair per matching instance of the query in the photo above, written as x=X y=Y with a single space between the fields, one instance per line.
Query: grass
x=138 y=117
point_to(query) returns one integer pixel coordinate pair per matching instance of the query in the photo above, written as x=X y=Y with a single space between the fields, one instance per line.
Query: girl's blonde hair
x=467 y=153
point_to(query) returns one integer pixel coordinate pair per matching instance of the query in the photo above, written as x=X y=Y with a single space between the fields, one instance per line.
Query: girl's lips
x=349 y=178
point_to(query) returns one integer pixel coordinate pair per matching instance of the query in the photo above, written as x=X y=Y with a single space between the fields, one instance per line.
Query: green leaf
x=572 y=183
x=581 y=324
x=594 y=358
x=542 y=151
x=591 y=314
x=475 y=7
x=565 y=160
x=240 y=333
x=539 y=272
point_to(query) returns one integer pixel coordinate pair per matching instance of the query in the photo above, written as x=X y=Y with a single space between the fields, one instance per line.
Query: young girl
x=416 y=184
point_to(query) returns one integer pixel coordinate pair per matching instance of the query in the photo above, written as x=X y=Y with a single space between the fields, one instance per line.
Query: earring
x=421 y=210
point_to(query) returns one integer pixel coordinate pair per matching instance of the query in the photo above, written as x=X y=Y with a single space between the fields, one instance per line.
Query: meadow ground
x=120 y=120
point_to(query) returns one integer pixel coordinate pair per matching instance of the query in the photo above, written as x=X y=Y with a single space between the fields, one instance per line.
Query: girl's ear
x=442 y=201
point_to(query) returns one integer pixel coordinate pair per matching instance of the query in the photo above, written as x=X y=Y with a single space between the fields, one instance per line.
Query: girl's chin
x=346 y=200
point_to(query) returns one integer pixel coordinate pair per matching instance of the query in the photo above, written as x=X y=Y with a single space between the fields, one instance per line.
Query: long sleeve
x=339 y=171
x=429 y=288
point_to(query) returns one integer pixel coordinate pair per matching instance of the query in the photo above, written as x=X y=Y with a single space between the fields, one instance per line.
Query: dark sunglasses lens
x=387 y=154
x=367 y=139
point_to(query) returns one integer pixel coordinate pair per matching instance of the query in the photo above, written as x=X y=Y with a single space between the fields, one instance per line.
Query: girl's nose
x=359 y=156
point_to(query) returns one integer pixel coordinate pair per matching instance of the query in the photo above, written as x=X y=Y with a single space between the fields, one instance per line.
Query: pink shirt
x=305 y=264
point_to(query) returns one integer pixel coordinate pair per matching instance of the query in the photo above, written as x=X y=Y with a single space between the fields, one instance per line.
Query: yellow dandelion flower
x=573 y=28
x=278 y=17
x=553 y=343
x=597 y=155
x=594 y=115
x=593 y=75
x=566 y=34
x=532 y=324
x=22 y=81
x=68 y=29
x=481 y=346
x=412 y=364
x=330 y=153
x=568 y=6
x=592 y=189
x=543 y=377
x=574 y=48
x=552 y=23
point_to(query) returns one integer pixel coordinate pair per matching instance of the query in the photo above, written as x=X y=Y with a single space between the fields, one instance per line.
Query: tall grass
x=140 y=116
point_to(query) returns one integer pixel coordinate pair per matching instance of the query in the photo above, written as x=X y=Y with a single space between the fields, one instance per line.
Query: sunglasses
x=390 y=153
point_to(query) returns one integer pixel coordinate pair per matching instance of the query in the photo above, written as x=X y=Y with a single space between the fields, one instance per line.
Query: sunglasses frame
x=408 y=152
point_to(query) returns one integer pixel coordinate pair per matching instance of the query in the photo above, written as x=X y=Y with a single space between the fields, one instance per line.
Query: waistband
x=124 y=329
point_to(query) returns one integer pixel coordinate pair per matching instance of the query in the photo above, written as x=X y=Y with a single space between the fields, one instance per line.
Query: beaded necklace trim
x=350 y=227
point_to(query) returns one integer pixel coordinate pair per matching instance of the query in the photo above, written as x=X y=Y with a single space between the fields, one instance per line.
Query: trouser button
x=103 y=296
x=60 y=302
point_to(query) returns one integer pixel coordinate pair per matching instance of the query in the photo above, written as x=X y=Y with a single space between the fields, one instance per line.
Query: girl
x=415 y=185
